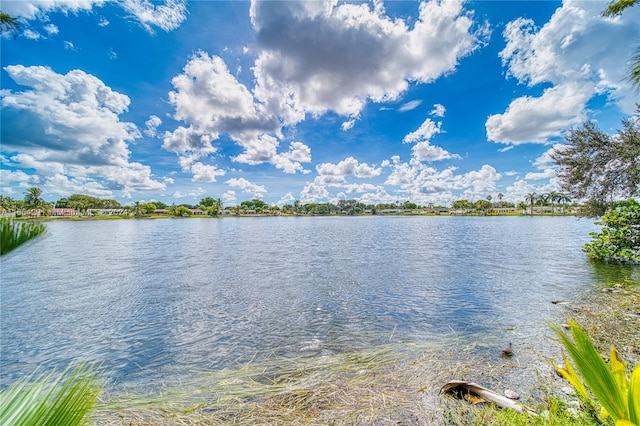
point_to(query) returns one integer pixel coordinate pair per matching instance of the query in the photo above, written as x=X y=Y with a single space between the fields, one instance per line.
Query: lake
x=163 y=299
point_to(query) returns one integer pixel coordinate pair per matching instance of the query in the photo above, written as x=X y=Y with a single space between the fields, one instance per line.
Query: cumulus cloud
x=424 y=151
x=205 y=173
x=152 y=126
x=213 y=102
x=580 y=54
x=418 y=181
x=425 y=132
x=537 y=119
x=313 y=192
x=247 y=187
x=348 y=166
x=321 y=56
x=229 y=197
x=69 y=124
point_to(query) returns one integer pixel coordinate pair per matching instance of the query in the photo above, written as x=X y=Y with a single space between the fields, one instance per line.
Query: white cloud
x=205 y=172
x=288 y=198
x=189 y=144
x=321 y=56
x=263 y=149
x=194 y=193
x=69 y=124
x=545 y=174
x=346 y=167
x=425 y=132
x=313 y=192
x=229 y=197
x=213 y=102
x=69 y=46
x=545 y=164
x=438 y=110
x=247 y=187
x=51 y=29
x=579 y=52
x=9 y=177
x=31 y=35
x=411 y=105
x=152 y=126
x=167 y=16
x=32 y=9
x=348 y=124
x=424 y=151
x=538 y=119
x=423 y=183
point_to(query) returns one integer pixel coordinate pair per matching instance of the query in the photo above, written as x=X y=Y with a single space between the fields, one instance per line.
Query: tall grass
x=15 y=233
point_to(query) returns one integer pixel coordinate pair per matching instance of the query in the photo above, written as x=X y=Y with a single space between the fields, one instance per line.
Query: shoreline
x=394 y=385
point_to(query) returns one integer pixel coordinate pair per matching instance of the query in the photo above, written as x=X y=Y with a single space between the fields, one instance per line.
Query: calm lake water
x=162 y=299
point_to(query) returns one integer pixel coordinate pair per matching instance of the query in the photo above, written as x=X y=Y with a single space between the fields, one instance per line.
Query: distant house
x=198 y=212
x=60 y=212
x=106 y=212
x=503 y=210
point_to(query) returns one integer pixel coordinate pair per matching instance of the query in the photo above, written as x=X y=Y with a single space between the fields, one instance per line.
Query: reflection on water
x=163 y=298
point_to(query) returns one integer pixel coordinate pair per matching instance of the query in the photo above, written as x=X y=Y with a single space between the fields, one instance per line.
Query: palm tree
x=531 y=198
x=33 y=197
x=553 y=196
x=138 y=209
x=564 y=199
x=500 y=197
x=8 y=23
x=615 y=8
x=522 y=206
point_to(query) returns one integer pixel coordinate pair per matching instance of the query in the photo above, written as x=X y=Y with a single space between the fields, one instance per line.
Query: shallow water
x=160 y=300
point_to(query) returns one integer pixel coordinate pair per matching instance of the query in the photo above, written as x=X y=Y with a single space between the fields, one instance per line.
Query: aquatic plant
x=51 y=399
x=15 y=233
x=609 y=385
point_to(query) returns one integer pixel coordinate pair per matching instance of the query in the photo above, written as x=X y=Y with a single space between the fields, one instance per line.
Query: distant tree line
x=89 y=205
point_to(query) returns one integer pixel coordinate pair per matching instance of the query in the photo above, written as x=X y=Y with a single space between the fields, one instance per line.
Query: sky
x=317 y=101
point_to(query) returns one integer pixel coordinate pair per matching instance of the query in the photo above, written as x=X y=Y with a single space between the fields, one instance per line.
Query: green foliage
x=33 y=197
x=619 y=239
x=85 y=202
x=609 y=385
x=617 y=6
x=51 y=399
x=599 y=167
x=8 y=23
x=179 y=211
x=15 y=233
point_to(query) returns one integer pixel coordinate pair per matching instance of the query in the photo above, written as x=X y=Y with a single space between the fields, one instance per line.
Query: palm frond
x=51 y=399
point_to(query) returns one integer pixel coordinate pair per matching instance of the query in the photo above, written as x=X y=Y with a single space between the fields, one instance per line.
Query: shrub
x=619 y=238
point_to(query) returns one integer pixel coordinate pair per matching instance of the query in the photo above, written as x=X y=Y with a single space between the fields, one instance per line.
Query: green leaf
x=595 y=373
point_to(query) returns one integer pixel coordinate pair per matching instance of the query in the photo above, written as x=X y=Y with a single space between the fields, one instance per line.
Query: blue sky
x=316 y=101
